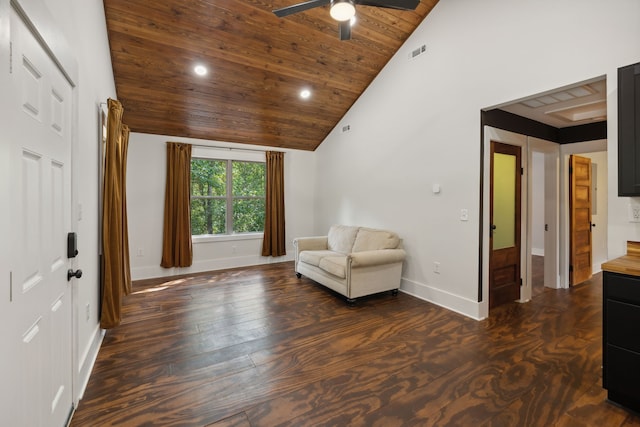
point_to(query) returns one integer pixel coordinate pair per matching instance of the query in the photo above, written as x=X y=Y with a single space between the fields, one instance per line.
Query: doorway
x=38 y=106
x=596 y=151
x=580 y=252
x=505 y=219
x=550 y=178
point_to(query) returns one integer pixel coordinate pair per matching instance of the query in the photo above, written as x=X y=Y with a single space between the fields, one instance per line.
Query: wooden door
x=39 y=342
x=580 y=253
x=504 y=241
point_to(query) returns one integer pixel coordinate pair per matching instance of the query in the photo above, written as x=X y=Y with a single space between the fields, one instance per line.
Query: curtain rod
x=230 y=148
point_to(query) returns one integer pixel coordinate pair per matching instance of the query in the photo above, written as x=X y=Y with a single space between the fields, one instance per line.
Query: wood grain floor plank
x=257 y=346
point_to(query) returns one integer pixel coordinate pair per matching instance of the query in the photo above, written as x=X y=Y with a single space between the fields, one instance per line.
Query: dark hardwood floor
x=259 y=347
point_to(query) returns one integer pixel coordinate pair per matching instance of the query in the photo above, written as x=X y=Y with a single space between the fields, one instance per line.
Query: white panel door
x=39 y=108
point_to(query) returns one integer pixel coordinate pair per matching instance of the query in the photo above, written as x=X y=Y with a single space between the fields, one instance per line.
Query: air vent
x=346 y=128
x=418 y=51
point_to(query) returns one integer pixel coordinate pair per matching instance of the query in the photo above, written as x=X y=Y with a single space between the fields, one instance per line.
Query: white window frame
x=215 y=153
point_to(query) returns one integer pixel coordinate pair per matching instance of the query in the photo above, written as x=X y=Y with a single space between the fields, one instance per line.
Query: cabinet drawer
x=621 y=375
x=620 y=287
x=623 y=325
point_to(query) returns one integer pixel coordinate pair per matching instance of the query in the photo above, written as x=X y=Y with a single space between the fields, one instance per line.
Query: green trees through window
x=227 y=196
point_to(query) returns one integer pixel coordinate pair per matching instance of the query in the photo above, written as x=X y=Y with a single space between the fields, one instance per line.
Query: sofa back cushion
x=369 y=239
x=341 y=238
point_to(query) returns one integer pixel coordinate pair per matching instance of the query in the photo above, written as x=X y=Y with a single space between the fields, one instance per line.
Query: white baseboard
x=150 y=272
x=442 y=298
x=87 y=361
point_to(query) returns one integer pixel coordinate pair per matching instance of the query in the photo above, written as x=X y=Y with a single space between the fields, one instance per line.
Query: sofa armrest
x=377 y=257
x=316 y=243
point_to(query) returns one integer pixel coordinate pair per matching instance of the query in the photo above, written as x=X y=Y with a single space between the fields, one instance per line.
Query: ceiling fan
x=343 y=10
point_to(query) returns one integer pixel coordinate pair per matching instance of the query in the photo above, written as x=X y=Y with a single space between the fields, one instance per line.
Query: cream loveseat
x=353 y=261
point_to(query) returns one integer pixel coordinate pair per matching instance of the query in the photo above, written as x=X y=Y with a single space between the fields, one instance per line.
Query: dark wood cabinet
x=629 y=130
x=621 y=338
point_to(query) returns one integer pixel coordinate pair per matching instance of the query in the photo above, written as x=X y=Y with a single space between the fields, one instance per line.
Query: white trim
x=551 y=249
x=207 y=238
x=442 y=298
x=36 y=15
x=88 y=361
x=206 y=265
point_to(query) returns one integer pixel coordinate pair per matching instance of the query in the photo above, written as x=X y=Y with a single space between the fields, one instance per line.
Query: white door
x=38 y=111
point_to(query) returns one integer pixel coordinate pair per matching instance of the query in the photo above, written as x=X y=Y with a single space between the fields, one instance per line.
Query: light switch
x=436 y=188
x=464 y=215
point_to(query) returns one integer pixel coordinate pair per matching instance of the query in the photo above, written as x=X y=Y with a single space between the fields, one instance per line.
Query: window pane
x=208 y=216
x=248 y=178
x=208 y=177
x=248 y=215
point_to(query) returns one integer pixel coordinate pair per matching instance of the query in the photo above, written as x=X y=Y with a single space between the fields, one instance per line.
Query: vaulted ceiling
x=257 y=66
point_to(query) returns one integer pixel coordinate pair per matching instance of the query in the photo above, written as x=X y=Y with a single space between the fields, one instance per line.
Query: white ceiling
x=572 y=105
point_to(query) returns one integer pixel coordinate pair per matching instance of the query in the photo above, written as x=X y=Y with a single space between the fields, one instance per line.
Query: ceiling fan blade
x=300 y=7
x=345 y=30
x=391 y=4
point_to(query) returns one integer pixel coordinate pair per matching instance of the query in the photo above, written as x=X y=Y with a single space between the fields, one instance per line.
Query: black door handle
x=70 y=274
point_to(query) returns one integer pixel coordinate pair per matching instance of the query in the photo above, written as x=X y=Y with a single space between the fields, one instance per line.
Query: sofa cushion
x=341 y=238
x=369 y=239
x=336 y=265
x=314 y=257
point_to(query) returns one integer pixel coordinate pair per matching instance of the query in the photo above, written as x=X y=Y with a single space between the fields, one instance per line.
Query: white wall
x=537 y=204
x=146 y=172
x=83 y=24
x=418 y=124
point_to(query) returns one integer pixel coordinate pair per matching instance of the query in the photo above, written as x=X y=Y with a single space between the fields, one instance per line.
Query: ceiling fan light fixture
x=342 y=10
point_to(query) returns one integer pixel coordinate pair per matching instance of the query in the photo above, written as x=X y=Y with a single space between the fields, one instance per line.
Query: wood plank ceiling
x=258 y=64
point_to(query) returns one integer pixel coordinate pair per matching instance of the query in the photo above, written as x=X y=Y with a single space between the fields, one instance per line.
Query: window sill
x=208 y=238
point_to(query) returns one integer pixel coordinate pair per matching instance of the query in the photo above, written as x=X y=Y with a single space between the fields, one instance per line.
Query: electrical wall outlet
x=464 y=214
x=634 y=213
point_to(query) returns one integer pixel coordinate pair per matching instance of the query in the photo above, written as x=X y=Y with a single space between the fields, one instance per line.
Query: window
x=227 y=196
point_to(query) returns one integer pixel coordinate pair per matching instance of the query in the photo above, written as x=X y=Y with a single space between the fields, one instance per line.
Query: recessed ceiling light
x=200 y=70
x=305 y=93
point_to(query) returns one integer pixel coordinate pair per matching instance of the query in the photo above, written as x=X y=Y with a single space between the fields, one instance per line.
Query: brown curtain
x=274 y=243
x=176 y=243
x=116 y=273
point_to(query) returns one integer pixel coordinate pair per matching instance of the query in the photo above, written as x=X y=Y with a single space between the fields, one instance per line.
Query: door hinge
x=570 y=268
x=521 y=171
x=521 y=282
x=546 y=227
x=570 y=169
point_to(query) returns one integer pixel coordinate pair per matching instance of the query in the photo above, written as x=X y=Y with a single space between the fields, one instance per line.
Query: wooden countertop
x=627 y=264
